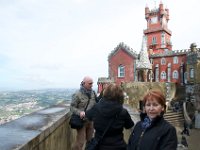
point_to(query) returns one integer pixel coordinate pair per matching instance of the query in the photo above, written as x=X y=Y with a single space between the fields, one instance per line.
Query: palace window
x=151 y=61
x=163 y=75
x=154 y=20
x=154 y=41
x=166 y=50
x=175 y=60
x=163 y=61
x=191 y=73
x=175 y=74
x=121 y=71
x=163 y=39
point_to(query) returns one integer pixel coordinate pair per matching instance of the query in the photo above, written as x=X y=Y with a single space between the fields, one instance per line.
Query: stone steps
x=175 y=118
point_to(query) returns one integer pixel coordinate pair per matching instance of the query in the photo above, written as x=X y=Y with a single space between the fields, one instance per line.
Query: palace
x=156 y=62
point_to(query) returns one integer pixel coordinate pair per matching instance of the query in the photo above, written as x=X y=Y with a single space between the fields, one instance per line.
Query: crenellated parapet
x=171 y=53
x=104 y=80
x=126 y=48
x=161 y=11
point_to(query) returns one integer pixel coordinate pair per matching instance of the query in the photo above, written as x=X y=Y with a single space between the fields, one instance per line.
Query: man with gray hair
x=79 y=102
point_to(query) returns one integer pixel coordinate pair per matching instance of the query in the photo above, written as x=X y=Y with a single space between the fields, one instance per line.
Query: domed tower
x=157 y=33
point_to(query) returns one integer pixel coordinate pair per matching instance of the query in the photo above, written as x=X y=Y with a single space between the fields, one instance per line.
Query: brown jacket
x=79 y=102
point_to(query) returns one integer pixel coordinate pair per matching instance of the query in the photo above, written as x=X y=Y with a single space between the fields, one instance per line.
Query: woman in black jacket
x=153 y=132
x=111 y=106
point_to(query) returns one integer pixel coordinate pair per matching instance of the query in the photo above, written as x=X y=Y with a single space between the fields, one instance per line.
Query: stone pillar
x=169 y=72
x=157 y=73
x=168 y=90
x=136 y=75
x=145 y=75
x=150 y=75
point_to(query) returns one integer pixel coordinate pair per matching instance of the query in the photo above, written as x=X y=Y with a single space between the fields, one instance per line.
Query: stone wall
x=47 y=129
x=57 y=136
x=135 y=91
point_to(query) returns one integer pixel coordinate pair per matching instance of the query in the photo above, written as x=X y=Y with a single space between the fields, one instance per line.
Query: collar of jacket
x=154 y=121
x=85 y=91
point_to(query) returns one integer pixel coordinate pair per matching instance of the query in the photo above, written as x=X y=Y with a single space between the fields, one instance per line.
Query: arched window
x=121 y=71
x=163 y=61
x=163 y=39
x=175 y=74
x=175 y=60
x=163 y=75
x=154 y=41
x=151 y=61
x=191 y=73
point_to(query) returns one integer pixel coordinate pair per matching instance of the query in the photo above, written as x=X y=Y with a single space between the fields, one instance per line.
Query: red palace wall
x=121 y=58
x=169 y=59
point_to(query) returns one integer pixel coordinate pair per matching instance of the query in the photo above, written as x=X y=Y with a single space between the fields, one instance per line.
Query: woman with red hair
x=153 y=132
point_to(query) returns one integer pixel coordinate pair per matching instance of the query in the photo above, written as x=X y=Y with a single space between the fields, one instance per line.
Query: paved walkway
x=192 y=140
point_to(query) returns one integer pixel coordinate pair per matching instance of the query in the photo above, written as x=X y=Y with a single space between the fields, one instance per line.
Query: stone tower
x=157 y=33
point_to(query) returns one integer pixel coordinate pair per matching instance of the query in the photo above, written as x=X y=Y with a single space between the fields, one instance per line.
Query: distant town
x=15 y=104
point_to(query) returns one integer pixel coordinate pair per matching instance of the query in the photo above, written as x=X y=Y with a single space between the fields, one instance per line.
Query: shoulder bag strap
x=89 y=100
x=110 y=123
x=87 y=105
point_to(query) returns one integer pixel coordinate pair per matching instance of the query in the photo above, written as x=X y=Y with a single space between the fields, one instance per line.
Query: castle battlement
x=126 y=48
x=173 y=53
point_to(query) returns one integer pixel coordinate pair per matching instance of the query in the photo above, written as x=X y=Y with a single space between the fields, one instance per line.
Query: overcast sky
x=55 y=43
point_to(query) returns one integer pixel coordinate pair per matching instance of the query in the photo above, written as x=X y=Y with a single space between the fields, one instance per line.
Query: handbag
x=75 y=121
x=94 y=142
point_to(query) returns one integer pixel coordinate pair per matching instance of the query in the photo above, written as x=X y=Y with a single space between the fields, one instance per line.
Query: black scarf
x=86 y=92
